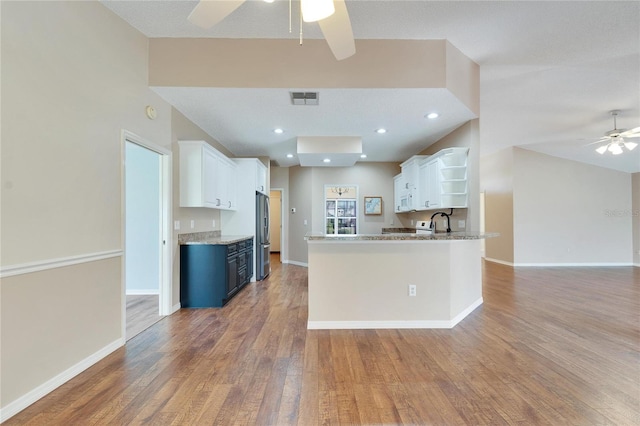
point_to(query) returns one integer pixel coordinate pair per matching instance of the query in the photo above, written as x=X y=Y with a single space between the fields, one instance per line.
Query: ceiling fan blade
x=633 y=133
x=338 y=33
x=601 y=140
x=207 y=13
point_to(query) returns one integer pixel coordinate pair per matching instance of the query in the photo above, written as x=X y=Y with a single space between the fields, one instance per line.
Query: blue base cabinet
x=211 y=274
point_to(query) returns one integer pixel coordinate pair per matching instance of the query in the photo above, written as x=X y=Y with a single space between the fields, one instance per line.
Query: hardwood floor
x=142 y=313
x=550 y=346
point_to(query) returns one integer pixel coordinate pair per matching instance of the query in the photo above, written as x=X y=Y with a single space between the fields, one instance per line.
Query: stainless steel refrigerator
x=263 y=264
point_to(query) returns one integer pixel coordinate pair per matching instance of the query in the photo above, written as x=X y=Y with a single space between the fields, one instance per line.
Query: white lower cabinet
x=207 y=177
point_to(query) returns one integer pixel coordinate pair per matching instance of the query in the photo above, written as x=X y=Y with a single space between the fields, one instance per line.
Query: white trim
x=501 y=262
x=359 y=325
x=294 y=262
x=574 y=264
x=462 y=315
x=637 y=265
x=166 y=179
x=32 y=396
x=43 y=265
x=175 y=308
x=143 y=292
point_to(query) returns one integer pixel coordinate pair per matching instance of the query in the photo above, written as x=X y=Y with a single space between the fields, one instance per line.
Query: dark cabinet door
x=232 y=274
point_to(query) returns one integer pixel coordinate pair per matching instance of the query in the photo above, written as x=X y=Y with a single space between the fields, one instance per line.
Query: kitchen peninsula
x=396 y=280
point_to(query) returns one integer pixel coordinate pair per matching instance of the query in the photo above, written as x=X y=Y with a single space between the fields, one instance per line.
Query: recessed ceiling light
x=278 y=131
x=432 y=115
x=289 y=155
x=268 y=1
x=363 y=155
x=327 y=160
x=381 y=130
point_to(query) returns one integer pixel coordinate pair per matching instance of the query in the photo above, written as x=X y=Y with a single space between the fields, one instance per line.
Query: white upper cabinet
x=207 y=177
x=433 y=182
x=429 y=195
x=261 y=178
x=410 y=174
x=401 y=194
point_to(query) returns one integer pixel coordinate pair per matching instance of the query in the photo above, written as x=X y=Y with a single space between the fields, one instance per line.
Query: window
x=341 y=209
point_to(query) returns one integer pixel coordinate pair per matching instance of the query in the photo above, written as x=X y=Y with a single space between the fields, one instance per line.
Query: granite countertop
x=211 y=238
x=400 y=236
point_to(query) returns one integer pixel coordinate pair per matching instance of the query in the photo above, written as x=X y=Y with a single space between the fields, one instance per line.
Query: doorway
x=275 y=221
x=146 y=180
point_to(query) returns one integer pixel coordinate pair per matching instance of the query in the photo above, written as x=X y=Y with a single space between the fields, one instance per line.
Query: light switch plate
x=193 y=223
x=176 y=225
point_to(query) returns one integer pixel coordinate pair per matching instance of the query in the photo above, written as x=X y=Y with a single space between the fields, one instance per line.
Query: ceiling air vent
x=304 y=98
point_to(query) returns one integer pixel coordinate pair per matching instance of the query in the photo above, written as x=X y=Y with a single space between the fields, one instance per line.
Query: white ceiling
x=550 y=73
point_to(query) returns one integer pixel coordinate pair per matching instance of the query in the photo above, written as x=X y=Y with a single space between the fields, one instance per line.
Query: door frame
x=165 y=302
x=284 y=246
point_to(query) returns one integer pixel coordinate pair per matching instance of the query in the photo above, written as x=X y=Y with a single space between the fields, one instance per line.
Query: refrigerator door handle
x=266 y=220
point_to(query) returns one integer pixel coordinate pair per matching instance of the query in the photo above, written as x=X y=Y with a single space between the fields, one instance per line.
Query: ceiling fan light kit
x=316 y=10
x=331 y=15
x=615 y=138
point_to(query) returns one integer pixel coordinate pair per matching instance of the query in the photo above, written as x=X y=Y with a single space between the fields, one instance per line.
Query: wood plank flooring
x=142 y=313
x=550 y=346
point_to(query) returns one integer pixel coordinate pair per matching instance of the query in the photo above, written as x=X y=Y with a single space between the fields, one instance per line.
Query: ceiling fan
x=331 y=15
x=615 y=139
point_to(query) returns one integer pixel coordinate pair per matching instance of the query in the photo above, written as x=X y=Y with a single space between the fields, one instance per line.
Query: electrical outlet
x=391 y=223
x=193 y=223
x=444 y=224
x=213 y=222
x=462 y=224
x=411 y=222
x=412 y=290
x=305 y=222
x=176 y=225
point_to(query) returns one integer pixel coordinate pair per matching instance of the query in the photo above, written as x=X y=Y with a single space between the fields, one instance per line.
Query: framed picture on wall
x=372 y=205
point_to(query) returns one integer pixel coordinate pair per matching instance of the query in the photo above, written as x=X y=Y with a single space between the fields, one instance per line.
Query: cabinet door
x=423 y=190
x=399 y=193
x=210 y=191
x=433 y=173
x=232 y=274
x=261 y=177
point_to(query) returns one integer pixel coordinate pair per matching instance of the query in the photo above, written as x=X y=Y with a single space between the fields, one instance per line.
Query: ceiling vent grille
x=305 y=98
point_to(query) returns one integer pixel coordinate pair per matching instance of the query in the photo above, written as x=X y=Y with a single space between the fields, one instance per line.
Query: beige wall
x=569 y=212
x=372 y=179
x=635 y=214
x=496 y=181
x=467 y=136
x=300 y=198
x=550 y=210
x=74 y=75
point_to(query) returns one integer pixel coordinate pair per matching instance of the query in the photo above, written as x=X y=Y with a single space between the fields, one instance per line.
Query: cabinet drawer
x=232 y=249
x=242 y=261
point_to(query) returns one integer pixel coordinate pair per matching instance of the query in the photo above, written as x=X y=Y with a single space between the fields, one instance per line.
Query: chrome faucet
x=433 y=223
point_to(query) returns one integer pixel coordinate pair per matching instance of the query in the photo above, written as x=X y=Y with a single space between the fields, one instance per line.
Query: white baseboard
x=501 y=262
x=142 y=292
x=637 y=265
x=574 y=264
x=32 y=396
x=175 y=308
x=462 y=315
x=545 y=264
x=360 y=325
x=293 y=262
